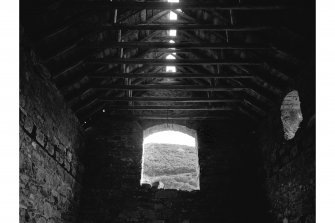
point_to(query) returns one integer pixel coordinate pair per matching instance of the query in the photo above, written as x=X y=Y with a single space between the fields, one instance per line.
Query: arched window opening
x=291 y=115
x=170 y=158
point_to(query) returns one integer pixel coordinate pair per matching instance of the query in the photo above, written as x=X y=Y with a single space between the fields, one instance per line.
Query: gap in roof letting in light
x=173 y=16
x=170 y=68
x=170 y=57
x=172 y=48
x=175 y=1
x=172 y=32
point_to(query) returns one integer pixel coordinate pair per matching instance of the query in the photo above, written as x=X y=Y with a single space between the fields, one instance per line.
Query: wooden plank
x=178 y=26
x=165 y=62
x=170 y=99
x=167 y=87
x=108 y=75
x=181 y=5
x=170 y=108
x=162 y=117
x=189 y=45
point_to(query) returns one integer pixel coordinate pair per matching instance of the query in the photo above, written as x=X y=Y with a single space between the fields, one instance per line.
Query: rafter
x=170 y=99
x=107 y=75
x=178 y=26
x=247 y=91
x=89 y=102
x=164 y=62
x=260 y=81
x=162 y=117
x=79 y=41
x=170 y=108
x=167 y=87
x=190 y=45
x=181 y=5
x=74 y=80
x=220 y=36
x=71 y=66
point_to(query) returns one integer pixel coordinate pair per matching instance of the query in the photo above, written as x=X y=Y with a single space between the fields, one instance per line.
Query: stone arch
x=170 y=165
x=291 y=115
x=167 y=127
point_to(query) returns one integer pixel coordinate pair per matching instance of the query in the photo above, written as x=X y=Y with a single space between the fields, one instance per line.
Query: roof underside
x=234 y=59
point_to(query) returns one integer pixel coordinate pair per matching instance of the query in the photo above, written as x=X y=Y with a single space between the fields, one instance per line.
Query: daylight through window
x=170 y=158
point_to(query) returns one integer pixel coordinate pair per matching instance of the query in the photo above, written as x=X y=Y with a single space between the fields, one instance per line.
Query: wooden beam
x=69 y=67
x=182 y=5
x=76 y=42
x=176 y=62
x=170 y=99
x=167 y=87
x=247 y=91
x=108 y=75
x=179 y=26
x=162 y=117
x=168 y=51
x=257 y=80
x=255 y=108
x=190 y=45
x=61 y=50
x=249 y=115
x=170 y=108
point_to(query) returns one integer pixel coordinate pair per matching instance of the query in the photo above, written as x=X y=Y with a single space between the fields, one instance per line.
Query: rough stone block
x=25 y=140
x=51 y=221
x=29 y=125
x=73 y=170
x=56 y=141
x=23 y=116
x=62 y=147
x=34 y=144
x=40 y=175
x=47 y=210
x=24 y=178
x=69 y=156
x=59 y=157
x=50 y=148
x=40 y=137
x=41 y=220
x=67 y=165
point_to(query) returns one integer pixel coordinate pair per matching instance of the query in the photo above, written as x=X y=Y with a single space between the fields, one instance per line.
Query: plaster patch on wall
x=291 y=114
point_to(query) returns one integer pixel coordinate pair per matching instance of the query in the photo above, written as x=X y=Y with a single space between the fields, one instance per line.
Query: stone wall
x=289 y=166
x=229 y=180
x=50 y=145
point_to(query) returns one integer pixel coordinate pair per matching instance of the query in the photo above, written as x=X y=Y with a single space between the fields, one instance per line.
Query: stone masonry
x=50 y=145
